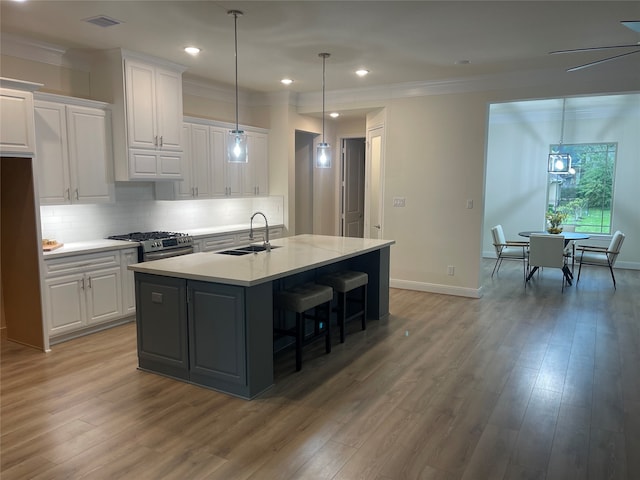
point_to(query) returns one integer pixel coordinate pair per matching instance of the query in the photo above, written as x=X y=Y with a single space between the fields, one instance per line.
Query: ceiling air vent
x=103 y=21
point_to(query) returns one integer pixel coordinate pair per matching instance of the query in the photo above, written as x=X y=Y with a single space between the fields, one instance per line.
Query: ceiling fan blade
x=597 y=62
x=588 y=49
x=633 y=25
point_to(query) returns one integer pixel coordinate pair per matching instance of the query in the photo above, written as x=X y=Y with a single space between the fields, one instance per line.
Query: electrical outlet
x=398 y=201
x=451 y=270
x=469 y=204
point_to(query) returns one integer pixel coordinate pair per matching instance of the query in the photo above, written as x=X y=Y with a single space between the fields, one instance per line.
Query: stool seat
x=303 y=297
x=300 y=299
x=344 y=282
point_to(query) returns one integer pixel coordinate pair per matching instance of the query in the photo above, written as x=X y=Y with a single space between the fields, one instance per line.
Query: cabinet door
x=256 y=175
x=52 y=153
x=140 y=105
x=216 y=333
x=16 y=122
x=201 y=160
x=89 y=155
x=162 y=324
x=104 y=295
x=218 y=162
x=129 y=257
x=185 y=188
x=65 y=303
x=169 y=109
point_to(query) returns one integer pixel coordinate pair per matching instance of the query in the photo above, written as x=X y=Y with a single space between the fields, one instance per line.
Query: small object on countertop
x=48 y=245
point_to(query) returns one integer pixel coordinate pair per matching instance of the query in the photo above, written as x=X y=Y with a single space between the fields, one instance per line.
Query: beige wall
x=60 y=80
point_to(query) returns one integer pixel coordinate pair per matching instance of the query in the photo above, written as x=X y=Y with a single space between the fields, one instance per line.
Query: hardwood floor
x=520 y=384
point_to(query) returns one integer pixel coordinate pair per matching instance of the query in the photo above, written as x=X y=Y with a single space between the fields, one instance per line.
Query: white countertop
x=93 y=246
x=296 y=254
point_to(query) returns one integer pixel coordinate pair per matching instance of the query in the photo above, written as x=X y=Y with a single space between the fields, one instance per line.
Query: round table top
x=566 y=235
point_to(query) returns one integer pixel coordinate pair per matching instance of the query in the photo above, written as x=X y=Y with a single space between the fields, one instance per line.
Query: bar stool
x=344 y=282
x=301 y=299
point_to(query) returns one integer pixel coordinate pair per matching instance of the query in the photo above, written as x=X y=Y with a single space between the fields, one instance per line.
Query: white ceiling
x=398 y=41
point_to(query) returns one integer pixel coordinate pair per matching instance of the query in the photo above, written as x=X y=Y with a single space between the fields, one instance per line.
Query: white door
x=52 y=153
x=89 y=158
x=374 y=188
x=104 y=289
x=129 y=257
x=185 y=188
x=353 y=187
x=65 y=303
x=201 y=160
x=218 y=161
x=141 y=105
x=169 y=109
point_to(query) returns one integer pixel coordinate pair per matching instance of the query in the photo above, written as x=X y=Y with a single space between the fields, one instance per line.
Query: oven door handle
x=167 y=253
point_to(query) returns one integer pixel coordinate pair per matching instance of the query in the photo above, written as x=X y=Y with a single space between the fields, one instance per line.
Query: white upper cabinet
x=17 y=136
x=73 y=151
x=208 y=174
x=146 y=94
x=256 y=178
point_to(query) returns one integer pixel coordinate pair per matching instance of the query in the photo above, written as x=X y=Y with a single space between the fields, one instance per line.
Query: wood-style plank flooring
x=520 y=384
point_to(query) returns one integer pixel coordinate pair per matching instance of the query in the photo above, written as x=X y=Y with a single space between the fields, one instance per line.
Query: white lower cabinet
x=84 y=291
x=129 y=257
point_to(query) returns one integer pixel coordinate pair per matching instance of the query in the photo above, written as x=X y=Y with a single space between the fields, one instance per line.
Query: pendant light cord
x=235 y=28
x=564 y=101
x=324 y=59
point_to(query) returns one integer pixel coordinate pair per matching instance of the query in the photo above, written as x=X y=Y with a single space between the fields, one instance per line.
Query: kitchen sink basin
x=245 y=250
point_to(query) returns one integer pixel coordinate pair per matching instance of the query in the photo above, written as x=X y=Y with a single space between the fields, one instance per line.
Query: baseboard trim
x=436 y=288
x=93 y=329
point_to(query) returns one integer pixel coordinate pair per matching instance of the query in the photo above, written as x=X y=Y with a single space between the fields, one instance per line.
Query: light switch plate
x=399 y=201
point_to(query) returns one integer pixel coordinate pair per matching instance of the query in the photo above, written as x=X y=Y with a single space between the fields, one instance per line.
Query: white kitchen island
x=207 y=318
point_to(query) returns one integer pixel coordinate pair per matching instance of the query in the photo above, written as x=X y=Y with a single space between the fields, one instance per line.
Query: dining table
x=568 y=237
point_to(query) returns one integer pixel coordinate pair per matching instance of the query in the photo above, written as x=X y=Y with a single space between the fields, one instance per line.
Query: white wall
x=135 y=210
x=519 y=137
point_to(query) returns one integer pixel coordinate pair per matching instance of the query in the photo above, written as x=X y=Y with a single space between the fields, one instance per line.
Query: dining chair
x=602 y=256
x=508 y=249
x=570 y=247
x=547 y=251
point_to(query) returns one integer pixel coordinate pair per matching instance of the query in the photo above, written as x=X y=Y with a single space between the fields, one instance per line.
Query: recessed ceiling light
x=286 y=81
x=192 y=50
x=334 y=114
x=362 y=72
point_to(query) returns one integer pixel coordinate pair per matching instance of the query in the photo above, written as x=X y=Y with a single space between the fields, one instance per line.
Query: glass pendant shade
x=237 y=147
x=323 y=155
x=559 y=163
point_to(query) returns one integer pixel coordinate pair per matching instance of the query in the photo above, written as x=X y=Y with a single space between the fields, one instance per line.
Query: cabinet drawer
x=218 y=242
x=80 y=263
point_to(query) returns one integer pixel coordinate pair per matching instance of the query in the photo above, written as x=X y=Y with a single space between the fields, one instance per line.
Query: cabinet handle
x=82 y=284
x=67 y=194
x=155 y=140
x=161 y=142
x=89 y=281
x=77 y=195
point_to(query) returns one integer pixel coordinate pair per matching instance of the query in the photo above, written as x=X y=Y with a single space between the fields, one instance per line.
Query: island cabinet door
x=161 y=316
x=217 y=336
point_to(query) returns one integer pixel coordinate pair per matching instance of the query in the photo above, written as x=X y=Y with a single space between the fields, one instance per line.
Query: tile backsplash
x=136 y=210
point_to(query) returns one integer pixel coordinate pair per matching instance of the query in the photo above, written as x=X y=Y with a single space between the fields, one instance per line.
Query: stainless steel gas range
x=157 y=245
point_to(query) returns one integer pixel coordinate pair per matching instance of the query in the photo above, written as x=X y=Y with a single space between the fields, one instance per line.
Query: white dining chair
x=508 y=249
x=547 y=251
x=602 y=256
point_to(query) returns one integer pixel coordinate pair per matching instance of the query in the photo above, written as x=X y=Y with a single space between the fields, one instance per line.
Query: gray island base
x=207 y=318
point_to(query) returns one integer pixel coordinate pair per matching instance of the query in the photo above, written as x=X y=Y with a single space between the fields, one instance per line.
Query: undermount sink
x=245 y=250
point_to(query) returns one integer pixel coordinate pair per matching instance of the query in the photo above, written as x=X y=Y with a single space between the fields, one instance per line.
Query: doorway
x=353 y=185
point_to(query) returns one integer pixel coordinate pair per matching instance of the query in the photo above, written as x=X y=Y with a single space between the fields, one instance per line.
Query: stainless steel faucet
x=266 y=243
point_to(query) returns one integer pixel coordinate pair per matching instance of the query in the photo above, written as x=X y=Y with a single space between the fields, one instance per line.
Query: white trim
x=22 y=85
x=81 y=102
x=43 y=52
x=436 y=288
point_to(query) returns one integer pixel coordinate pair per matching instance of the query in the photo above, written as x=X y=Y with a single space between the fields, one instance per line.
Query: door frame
x=342 y=185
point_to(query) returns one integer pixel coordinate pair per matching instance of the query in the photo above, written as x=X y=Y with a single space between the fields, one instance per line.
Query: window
x=585 y=191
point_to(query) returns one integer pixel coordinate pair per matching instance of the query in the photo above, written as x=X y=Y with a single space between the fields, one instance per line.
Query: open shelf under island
x=207 y=318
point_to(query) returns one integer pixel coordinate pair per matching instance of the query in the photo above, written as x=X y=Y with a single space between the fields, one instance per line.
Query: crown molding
x=43 y=52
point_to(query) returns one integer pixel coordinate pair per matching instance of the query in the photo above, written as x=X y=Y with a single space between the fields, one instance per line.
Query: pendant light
x=323 y=151
x=560 y=163
x=237 y=140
